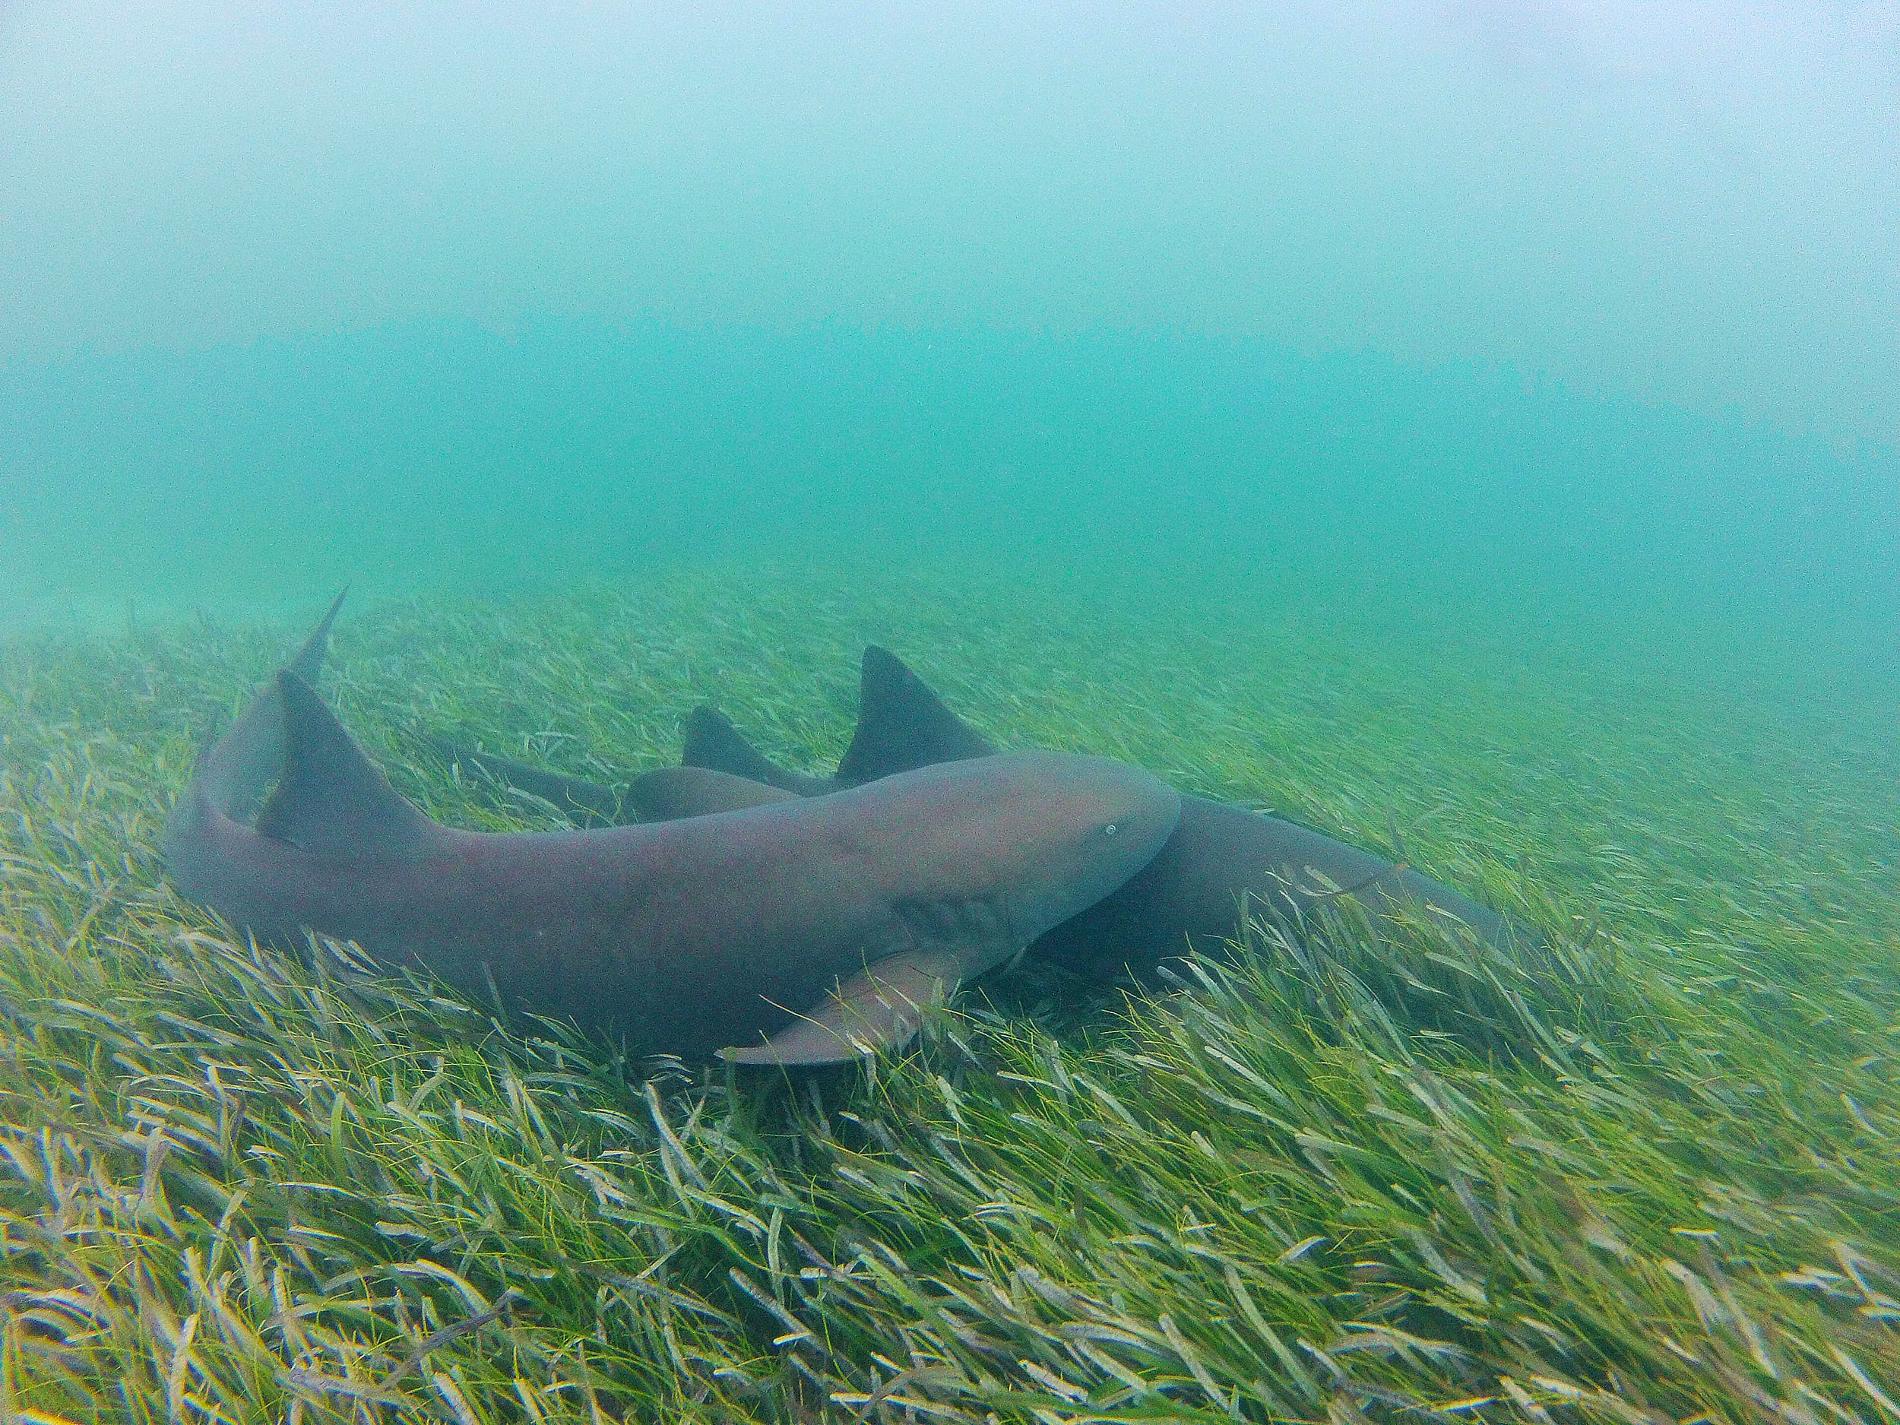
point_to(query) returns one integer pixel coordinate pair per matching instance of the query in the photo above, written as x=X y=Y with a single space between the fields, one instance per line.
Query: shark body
x=789 y=932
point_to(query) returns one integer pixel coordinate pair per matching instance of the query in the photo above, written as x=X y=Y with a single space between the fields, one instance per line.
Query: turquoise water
x=1468 y=428
x=1533 y=313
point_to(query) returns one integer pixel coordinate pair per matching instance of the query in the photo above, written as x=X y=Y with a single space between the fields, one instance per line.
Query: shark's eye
x=1110 y=829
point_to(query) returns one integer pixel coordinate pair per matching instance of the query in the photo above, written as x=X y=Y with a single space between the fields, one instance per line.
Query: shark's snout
x=1143 y=811
x=1114 y=819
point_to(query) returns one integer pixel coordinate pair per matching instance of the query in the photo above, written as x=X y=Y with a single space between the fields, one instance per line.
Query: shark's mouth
x=982 y=929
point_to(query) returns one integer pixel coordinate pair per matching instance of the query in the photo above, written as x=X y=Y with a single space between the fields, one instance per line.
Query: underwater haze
x=1559 y=303
x=1467 y=431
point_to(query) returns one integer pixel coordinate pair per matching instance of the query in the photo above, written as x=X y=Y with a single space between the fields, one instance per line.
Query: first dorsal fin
x=331 y=798
x=714 y=743
x=902 y=724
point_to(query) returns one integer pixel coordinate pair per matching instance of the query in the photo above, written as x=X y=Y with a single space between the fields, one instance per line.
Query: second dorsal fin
x=331 y=799
x=902 y=724
x=713 y=742
x=674 y=793
x=307 y=661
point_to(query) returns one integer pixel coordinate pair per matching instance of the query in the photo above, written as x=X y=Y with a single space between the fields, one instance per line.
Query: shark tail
x=331 y=798
x=238 y=768
x=675 y=793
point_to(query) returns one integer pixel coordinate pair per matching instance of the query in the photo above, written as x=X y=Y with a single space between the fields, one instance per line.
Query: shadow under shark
x=794 y=932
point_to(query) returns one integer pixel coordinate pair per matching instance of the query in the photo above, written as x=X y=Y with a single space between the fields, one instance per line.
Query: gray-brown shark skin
x=670 y=793
x=800 y=932
x=662 y=794
x=1193 y=892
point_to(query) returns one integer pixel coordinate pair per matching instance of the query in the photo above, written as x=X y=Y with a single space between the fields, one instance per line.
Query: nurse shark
x=792 y=932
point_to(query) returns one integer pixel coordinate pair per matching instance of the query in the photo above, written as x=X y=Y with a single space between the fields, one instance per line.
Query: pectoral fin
x=878 y=1008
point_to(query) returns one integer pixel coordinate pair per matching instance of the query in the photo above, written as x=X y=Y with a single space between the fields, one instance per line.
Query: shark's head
x=1045 y=834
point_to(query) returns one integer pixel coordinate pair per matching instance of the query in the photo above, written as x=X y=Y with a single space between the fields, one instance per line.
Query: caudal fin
x=307 y=662
x=902 y=724
x=331 y=799
x=238 y=768
x=714 y=743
